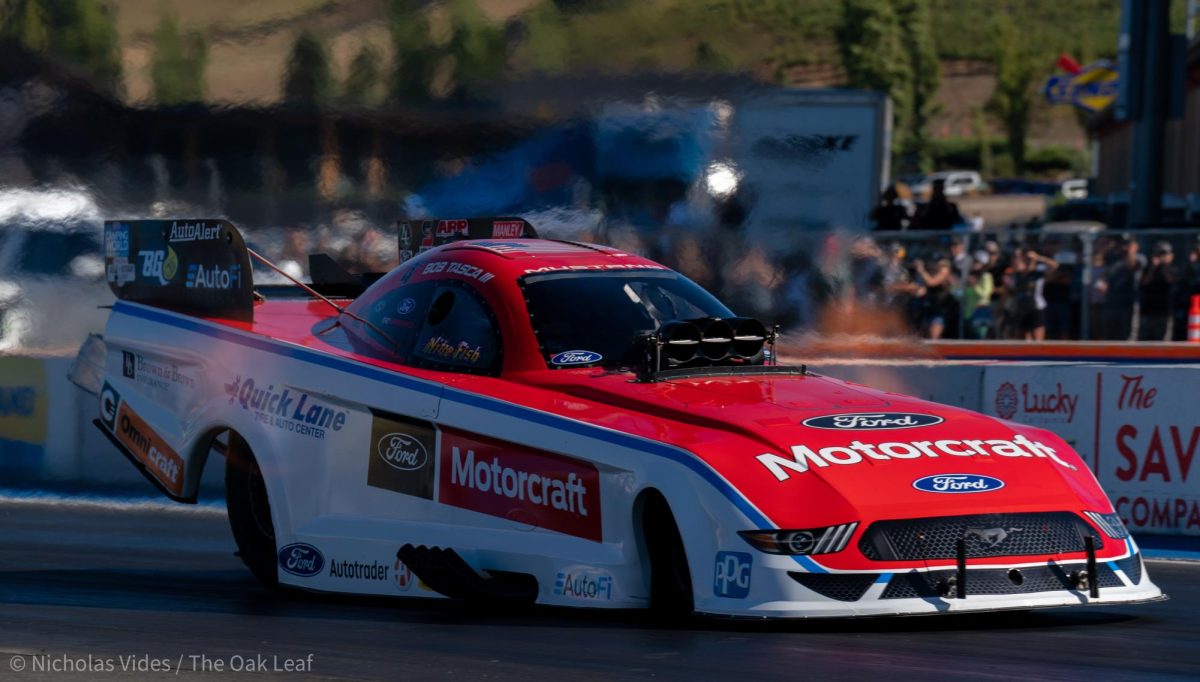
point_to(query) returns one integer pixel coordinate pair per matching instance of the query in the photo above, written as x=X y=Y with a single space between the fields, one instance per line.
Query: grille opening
x=985 y=535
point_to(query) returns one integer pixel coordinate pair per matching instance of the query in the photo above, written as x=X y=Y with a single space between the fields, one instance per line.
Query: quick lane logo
x=301 y=559
x=586 y=585
x=520 y=484
x=804 y=457
x=309 y=417
x=731 y=575
x=215 y=277
x=150 y=449
x=872 y=421
x=400 y=455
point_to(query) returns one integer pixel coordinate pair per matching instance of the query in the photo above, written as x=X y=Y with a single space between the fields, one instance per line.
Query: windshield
x=590 y=318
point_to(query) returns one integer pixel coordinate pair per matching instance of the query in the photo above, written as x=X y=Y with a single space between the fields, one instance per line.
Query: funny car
x=508 y=418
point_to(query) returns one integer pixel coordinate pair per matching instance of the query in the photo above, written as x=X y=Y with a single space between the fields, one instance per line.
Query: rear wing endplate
x=198 y=267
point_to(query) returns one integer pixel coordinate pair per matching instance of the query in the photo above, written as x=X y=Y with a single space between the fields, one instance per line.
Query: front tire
x=250 y=512
x=670 y=579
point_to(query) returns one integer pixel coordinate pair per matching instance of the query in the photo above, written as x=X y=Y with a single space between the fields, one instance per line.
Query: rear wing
x=418 y=236
x=198 y=267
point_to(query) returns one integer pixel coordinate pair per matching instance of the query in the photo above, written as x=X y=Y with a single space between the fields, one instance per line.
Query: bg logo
x=732 y=575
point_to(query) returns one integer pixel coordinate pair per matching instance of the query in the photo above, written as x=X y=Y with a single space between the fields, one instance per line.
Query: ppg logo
x=732 y=575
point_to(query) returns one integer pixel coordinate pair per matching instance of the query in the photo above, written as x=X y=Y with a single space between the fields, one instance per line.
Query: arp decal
x=401 y=455
x=731 y=574
x=520 y=484
x=576 y=357
x=301 y=559
x=150 y=449
x=958 y=483
x=872 y=421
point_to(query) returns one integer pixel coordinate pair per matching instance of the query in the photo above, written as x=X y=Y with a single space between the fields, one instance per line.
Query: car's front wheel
x=250 y=511
x=670 y=578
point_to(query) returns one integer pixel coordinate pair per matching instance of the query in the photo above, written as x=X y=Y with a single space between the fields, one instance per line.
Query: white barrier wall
x=1138 y=427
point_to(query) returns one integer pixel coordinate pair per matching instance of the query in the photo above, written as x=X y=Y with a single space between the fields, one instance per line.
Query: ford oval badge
x=402 y=451
x=872 y=421
x=958 y=483
x=576 y=357
x=301 y=559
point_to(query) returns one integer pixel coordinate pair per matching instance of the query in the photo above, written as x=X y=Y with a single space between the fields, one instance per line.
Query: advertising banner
x=23 y=411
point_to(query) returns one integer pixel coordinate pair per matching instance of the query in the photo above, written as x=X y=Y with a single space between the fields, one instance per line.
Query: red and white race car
x=512 y=418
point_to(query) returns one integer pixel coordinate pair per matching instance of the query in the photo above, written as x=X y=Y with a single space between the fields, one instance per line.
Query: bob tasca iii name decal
x=520 y=484
x=803 y=457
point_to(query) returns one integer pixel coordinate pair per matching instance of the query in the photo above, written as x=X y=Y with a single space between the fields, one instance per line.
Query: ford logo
x=301 y=559
x=872 y=421
x=402 y=451
x=958 y=483
x=406 y=306
x=576 y=357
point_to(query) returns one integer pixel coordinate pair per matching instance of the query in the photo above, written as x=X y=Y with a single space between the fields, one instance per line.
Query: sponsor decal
x=990 y=537
x=438 y=346
x=604 y=267
x=153 y=374
x=958 y=483
x=193 y=232
x=447 y=229
x=731 y=575
x=402 y=576
x=426 y=237
x=406 y=238
x=520 y=484
x=507 y=229
x=301 y=559
x=405 y=254
x=214 y=277
x=586 y=585
x=461 y=269
x=128 y=365
x=872 y=421
x=1007 y=401
x=576 y=357
x=120 y=271
x=405 y=306
x=353 y=570
x=110 y=400
x=116 y=241
x=150 y=449
x=159 y=264
x=401 y=457
x=1058 y=405
x=297 y=412
x=804 y=457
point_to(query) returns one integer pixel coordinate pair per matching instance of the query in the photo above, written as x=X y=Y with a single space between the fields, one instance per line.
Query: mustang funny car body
x=508 y=418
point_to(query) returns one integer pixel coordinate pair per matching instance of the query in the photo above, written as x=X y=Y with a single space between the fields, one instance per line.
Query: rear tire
x=670 y=579
x=250 y=512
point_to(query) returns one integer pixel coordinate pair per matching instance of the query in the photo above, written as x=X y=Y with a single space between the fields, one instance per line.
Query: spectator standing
x=1096 y=295
x=977 y=298
x=1027 y=283
x=1121 y=290
x=937 y=299
x=892 y=212
x=1189 y=285
x=1158 y=283
x=1059 y=311
x=939 y=213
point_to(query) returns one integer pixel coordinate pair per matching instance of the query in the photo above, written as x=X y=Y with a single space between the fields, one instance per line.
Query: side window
x=459 y=332
x=397 y=313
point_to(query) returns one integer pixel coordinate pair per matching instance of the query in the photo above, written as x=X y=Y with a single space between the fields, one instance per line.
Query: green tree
x=1012 y=102
x=416 y=57
x=546 y=40
x=307 y=79
x=871 y=43
x=362 y=83
x=477 y=46
x=24 y=22
x=80 y=33
x=177 y=69
x=917 y=25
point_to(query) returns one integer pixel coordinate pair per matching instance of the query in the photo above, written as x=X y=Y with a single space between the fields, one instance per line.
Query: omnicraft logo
x=804 y=458
x=150 y=449
x=520 y=484
x=872 y=421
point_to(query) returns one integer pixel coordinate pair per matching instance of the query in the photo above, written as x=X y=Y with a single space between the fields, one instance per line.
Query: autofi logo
x=215 y=277
x=583 y=585
x=576 y=357
x=732 y=575
x=958 y=483
x=301 y=559
x=872 y=421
